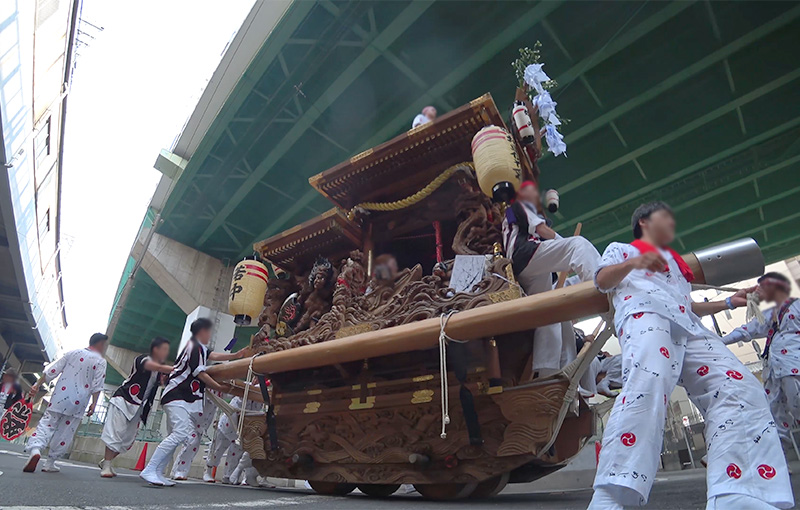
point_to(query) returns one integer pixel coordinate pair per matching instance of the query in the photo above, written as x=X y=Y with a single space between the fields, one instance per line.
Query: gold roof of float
x=330 y=233
x=406 y=163
x=390 y=171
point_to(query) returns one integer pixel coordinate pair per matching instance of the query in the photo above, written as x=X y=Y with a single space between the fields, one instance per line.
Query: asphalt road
x=79 y=486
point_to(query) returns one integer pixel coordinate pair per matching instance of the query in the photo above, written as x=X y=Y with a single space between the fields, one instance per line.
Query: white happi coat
x=781 y=374
x=80 y=374
x=664 y=344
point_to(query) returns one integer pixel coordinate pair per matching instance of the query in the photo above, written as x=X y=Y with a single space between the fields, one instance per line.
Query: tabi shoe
x=226 y=480
x=50 y=467
x=162 y=466
x=208 y=474
x=106 y=470
x=236 y=476
x=179 y=478
x=33 y=460
x=150 y=473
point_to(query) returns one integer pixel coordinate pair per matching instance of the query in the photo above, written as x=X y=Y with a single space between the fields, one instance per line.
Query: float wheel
x=491 y=487
x=378 y=490
x=332 y=488
x=445 y=491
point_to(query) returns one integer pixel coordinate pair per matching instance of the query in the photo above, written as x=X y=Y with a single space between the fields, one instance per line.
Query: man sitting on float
x=536 y=252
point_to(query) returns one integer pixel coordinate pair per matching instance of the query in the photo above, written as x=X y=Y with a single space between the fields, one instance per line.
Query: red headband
x=525 y=184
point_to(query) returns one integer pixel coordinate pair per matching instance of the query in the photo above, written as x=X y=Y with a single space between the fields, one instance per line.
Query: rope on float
x=417 y=197
x=443 y=386
x=753 y=300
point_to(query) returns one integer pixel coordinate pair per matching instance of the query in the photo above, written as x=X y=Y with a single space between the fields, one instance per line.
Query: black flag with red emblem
x=15 y=420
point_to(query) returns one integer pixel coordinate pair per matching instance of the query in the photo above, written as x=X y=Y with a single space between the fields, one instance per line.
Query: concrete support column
x=189 y=277
x=121 y=359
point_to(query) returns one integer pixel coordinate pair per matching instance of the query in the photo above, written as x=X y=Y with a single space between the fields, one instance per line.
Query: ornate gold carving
x=373 y=445
x=478 y=101
x=423 y=378
x=509 y=294
x=357 y=404
x=361 y=155
x=314 y=392
x=311 y=408
x=422 y=397
x=353 y=330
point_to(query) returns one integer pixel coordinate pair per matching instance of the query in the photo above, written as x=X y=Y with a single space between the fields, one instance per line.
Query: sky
x=134 y=86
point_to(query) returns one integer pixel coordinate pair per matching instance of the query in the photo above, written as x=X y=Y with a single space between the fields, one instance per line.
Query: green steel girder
x=677 y=133
x=711 y=194
x=679 y=174
x=339 y=85
x=678 y=78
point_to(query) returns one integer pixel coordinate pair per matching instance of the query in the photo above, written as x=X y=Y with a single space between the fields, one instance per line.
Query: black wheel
x=378 y=490
x=332 y=488
x=490 y=487
x=445 y=491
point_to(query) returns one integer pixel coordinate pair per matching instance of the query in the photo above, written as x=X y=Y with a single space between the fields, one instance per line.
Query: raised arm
x=702 y=308
x=218 y=356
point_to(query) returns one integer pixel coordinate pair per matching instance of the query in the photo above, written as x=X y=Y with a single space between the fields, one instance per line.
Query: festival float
x=381 y=376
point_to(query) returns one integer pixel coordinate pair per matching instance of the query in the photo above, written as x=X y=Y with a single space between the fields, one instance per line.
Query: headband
x=774 y=281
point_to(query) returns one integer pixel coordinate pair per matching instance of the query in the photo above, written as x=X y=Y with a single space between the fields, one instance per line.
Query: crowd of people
x=663 y=344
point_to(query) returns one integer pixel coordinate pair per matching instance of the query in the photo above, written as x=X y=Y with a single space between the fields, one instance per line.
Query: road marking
x=234 y=504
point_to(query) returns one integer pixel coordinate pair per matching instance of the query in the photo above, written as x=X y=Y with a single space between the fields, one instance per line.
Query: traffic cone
x=142 y=462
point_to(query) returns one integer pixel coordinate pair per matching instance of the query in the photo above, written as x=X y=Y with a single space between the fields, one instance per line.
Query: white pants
x=744 y=451
x=56 y=430
x=119 y=432
x=183 y=464
x=181 y=424
x=554 y=344
x=783 y=395
x=225 y=441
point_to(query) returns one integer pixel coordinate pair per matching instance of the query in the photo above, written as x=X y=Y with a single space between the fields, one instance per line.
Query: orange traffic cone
x=142 y=462
x=214 y=473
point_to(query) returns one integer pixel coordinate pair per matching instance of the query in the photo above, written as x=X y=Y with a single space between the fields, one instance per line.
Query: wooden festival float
x=366 y=391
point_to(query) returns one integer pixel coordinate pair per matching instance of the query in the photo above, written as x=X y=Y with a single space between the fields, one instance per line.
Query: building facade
x=36 y=42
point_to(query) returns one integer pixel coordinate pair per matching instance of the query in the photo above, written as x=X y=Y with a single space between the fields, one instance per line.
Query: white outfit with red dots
x=80 y=373
x=664 y=344
x=781 y=374
x=225 y=438
x=183 y=464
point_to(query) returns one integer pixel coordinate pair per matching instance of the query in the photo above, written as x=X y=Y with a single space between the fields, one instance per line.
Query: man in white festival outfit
x=663 y=344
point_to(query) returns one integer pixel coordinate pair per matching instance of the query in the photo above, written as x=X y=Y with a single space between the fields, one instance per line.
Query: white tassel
x=555 y=140
x=534 y=77
x=547 y=108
